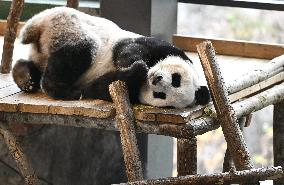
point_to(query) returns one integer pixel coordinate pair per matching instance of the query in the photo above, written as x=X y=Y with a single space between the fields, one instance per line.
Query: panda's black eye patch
x=159 y=95
x=176 y=78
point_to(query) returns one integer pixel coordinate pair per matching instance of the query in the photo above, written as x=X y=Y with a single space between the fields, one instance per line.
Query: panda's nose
x=156 y=80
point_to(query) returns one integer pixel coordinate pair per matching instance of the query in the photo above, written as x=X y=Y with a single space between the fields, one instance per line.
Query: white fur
x=73 y=26
x=180 y=97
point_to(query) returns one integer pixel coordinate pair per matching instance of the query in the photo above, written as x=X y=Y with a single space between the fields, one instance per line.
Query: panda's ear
x=202 y=95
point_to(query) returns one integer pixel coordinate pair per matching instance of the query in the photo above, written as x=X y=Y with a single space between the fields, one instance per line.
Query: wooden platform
x=13 y=100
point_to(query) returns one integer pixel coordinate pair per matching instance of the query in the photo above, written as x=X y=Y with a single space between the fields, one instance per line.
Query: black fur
x=176 y=78
x=64 y=68
x=133 y=76
x=159 y=95
x=202 y=96
x=132 y=57
x=26 y=75
x=148 y=49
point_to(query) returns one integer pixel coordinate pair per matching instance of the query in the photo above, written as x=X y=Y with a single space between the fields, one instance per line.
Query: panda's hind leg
x=65 y=66
x=26 y=75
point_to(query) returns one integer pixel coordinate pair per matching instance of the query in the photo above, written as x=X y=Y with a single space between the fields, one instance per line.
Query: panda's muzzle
x=156 y=80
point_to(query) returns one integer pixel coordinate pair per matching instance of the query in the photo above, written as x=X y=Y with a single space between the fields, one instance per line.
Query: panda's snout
x=156 y=79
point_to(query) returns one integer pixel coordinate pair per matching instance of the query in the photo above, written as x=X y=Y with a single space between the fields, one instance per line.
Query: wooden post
x=186 y=156
x=73 y=4
x=234 y=177
x=278 y=138
x=18 y=155
x=13 y=19
x=228 y=164
x=151 y=22
x=125 y=122
x=225 y=113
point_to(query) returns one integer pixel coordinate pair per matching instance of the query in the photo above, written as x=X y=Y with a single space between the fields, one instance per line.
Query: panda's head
x=173 y=82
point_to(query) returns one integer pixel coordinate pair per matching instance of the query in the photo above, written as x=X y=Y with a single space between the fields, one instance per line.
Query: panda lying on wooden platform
x=74 y=55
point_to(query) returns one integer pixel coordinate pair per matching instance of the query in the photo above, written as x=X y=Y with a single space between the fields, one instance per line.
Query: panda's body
x=76 y=55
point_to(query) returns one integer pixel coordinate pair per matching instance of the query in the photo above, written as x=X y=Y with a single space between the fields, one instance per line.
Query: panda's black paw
x=139 y=70
x=26 y=75
x=59 y=90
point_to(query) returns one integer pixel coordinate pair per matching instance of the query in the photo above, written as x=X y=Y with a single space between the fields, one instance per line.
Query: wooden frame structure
x=266 y=88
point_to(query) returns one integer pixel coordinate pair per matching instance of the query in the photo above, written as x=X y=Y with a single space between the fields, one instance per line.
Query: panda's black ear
x=202 y=95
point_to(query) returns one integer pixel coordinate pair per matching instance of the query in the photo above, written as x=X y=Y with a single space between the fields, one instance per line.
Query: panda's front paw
x=26 y=75
x=139 y=69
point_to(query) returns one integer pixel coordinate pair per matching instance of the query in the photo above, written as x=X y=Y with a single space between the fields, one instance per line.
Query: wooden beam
x=233 y=177
x=257 y=87
x=3 y=25
x=225 y=113
x=13 y=20
x=232 y=47
x=126 y=124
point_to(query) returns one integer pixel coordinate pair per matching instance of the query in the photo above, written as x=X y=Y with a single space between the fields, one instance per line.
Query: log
x=263 y=99
x=225 y=113
x=186 y=156
x=253 y=77
x=228 y=163
x=125 y=121
x=22 y=163
x=257 y=87
x=254 y=103
x=217 y=178
x=73 y=4
x=232 y=47
x=278 y=139
x=13 y=19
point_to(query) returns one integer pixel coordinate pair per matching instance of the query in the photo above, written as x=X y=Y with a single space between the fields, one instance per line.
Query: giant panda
x=74 y=55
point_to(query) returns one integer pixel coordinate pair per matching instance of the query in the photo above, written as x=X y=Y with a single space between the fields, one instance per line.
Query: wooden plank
x=3 y=24
x=232 y=47
x=166 y=115
x=41 y=103
x=9 y=91
x=6 y=80
x=187 y=156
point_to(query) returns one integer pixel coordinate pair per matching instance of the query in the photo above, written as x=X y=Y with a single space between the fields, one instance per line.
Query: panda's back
x=61 y=26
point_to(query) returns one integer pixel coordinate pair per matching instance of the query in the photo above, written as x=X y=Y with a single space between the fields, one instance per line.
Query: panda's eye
x=176 y=78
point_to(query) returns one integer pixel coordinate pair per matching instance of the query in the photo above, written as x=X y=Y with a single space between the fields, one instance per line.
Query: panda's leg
x=134 y=76
x=64 y=68
x=26 y=75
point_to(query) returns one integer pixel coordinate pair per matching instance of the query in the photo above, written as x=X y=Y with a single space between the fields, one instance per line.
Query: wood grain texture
x=13 y=19
x=3 y=26
x=17 y=153
x=278 y=139
x=233 y=177
x=73 y=4
x=232 y=47
x=126 y=123
x=225 y=113
x=187 y=156
x=166 y=115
